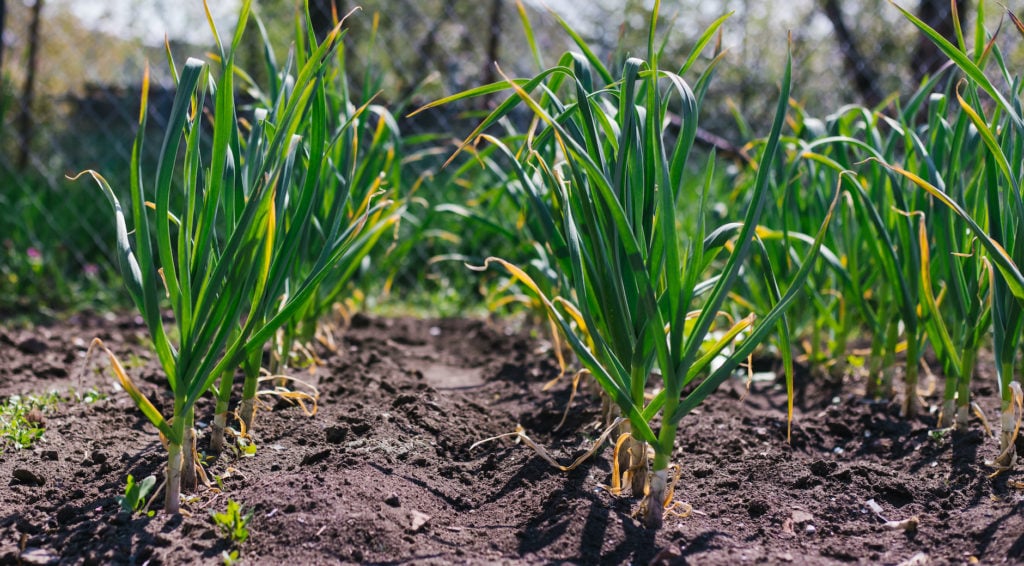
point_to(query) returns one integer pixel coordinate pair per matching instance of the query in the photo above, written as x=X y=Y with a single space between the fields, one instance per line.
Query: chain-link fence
x=71 y=70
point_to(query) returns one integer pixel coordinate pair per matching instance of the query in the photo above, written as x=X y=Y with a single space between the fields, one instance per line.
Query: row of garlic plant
x=989 y=205
x=274 y=216
x=923 y=255
x=926 y=255
x=334 y=197
x=249 y=231
x=640 y=288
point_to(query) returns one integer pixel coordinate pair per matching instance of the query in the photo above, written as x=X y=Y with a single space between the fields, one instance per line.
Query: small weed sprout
x=135 y=494
x=23 y=421
x=230 y=558
x=90 y=396
x=232 y=523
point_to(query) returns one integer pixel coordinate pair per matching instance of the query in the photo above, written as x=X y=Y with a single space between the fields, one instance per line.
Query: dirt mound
x=384 y=472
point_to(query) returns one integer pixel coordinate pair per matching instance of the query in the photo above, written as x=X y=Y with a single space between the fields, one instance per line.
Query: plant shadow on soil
x=384 y=472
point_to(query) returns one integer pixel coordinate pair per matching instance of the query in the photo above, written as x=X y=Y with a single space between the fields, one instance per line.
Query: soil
x=385 y=472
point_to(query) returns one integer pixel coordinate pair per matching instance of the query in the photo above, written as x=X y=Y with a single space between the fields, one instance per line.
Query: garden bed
x=384 y=472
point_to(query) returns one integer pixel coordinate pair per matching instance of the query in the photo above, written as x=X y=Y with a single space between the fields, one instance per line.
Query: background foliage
x=69 y=94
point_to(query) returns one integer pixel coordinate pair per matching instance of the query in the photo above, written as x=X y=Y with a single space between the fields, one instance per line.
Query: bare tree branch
x=865 y=78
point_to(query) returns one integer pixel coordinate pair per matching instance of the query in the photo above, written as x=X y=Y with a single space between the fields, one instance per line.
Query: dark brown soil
x=384 y=472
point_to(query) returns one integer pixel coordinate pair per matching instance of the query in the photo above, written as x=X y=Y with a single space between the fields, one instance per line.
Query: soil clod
x=28 y=477
x=32 y=346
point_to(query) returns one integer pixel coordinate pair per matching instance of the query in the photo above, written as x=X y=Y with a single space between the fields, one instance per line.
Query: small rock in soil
x=417 y=520
x=39 y=556
x=36 y=417
x=28 y=477
x=919 y=559
x=361 y=427
x=336 y=434
x=52 y=371
x=667 y=556
x=800 y=516
x=32 y=346
x=703 y=471
x=879 y=445
x=66 y=515
x=27 y=527
x=393 y=500
x=822 y=468
x=403 y=399
x=316 y=457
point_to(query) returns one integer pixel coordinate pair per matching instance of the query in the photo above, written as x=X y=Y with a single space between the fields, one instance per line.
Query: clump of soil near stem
x=384 y=472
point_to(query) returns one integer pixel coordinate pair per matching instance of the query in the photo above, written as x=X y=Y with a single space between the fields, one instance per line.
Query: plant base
x=638 y=472
x=220 y=422
x=189 y=480
x=247 y=413
x=652 y=508
x=172 y=491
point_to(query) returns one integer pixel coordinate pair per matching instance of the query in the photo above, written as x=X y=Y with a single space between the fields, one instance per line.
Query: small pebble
x=39 y=556
x=800 y=516
x=28 y=477
x=418 y=520
x=32 y=346
x=36 y=417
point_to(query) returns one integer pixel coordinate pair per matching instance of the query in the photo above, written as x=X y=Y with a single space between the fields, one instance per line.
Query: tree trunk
x=323 y=15
x=493 y=43
x=25 y=122
x=938 y=14
x=3 y=22
x=865 y=78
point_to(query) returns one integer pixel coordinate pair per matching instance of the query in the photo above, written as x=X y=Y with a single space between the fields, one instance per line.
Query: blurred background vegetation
x=70 y=73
